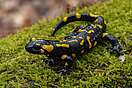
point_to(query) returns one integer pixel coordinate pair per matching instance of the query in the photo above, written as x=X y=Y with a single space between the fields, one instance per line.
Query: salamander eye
x=37 y=46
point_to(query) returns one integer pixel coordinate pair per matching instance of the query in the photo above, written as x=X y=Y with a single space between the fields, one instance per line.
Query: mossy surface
x=97 y=69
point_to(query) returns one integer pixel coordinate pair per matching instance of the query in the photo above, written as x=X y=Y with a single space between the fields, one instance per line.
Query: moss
x=98 y=68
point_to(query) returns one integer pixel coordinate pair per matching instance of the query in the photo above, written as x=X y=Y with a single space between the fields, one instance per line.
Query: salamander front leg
x=116 y=47
x=50 y=61
x=69 y=67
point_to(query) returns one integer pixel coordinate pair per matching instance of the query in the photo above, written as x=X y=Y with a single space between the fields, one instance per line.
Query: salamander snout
x=36 y=46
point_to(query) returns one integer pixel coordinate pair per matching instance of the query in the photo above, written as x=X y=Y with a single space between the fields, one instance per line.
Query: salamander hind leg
x=116 y=47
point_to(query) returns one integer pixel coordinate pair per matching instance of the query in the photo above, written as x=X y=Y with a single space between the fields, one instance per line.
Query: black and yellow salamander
x=65 y=53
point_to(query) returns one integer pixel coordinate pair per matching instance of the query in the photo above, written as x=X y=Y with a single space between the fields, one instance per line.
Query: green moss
x=98 y=68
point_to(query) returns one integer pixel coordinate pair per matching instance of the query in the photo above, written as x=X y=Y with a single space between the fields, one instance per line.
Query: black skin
x=74 y=45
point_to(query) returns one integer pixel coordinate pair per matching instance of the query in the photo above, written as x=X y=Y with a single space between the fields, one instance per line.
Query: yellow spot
x=48 y=48
x=95 y=43
x=82 y=42
x=99 y=26
x=80 y=37
x=33 y=39
x=94 y=26
x=73 y=55
x=66 y=64
x=64 y=40
x=96 y=21
x=90 y=31
x=64 y=56
x=82 y=51
x=88 y=39
x=37 y=44
x=93 y=15
x=73 y=41
x=74 y=36
x=81 y=30
x=42 y=51
x=104 y=34
x=65 y=19
x=63 y=45
x=78 y=15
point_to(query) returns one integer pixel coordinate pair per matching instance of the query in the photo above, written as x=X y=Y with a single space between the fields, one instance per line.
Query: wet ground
x=15 y=14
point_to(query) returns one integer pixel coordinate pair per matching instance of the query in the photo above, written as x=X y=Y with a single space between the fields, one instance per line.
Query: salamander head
x=39 y=46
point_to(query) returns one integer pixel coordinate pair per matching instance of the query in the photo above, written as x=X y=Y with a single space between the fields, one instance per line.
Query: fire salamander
x=65 y=53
